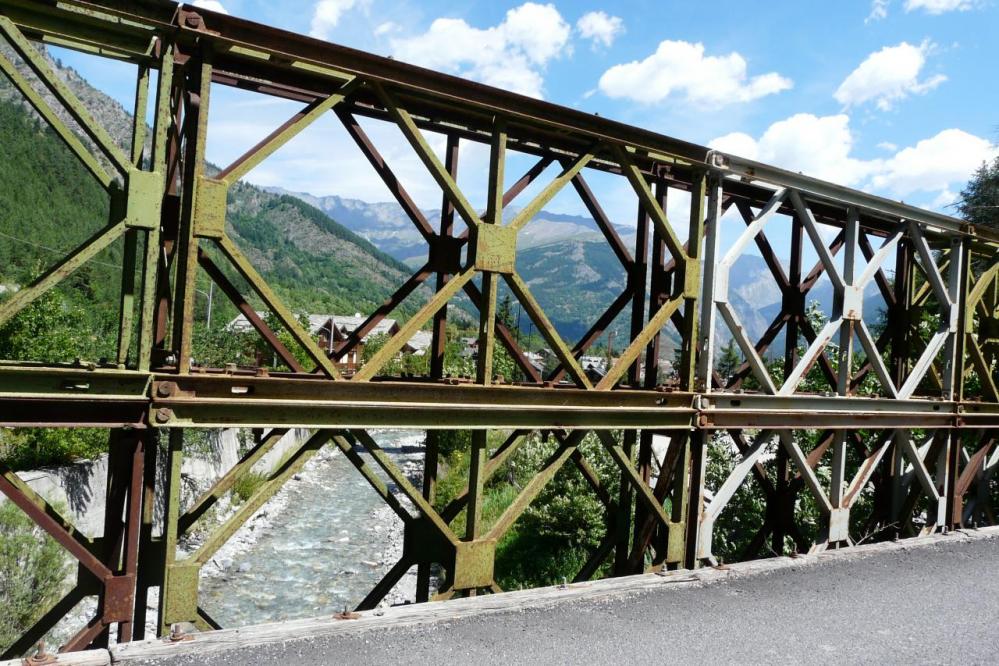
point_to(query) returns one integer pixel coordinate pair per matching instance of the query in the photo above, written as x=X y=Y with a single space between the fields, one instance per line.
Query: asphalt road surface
x=936 y=603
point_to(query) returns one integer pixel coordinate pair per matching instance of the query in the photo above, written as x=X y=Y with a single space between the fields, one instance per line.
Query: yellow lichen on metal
x=210 y=208
x=181 y=602
x=143 y=199
x=473 y=564
x=495 y=248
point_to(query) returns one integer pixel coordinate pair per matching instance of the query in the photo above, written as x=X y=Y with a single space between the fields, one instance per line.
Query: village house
x=334 y=331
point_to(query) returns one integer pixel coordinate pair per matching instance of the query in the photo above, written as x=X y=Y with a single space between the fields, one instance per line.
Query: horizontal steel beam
x=740 y=410
x=824 y=191
x=69 y=397
x=222 y=401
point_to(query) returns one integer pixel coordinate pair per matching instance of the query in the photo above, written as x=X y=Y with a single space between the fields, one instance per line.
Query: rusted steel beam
x=529 y=177
x=439 y=341
x=72 y=412
x=506 y=337
x=382 y=311
x=603 y=222
x=48 y=519
x=766 y=250
x=237 y=299
x=884 y=284
x=594 y=333
x=83 y=638
x=383 y=170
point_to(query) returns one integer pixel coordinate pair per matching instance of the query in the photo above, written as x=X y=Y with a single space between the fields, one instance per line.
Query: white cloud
x=888 y=146
x=932 y=164
x=600 y=28
x=386 y=28
x=511 y=55
x=823 y=147
x=879 y=10
x=326 y=15
x=939 y=6
x=815 y=146
x=211 y=5
x=680 y=68
x=888 y=76
x=737 y=143
x=945 y=199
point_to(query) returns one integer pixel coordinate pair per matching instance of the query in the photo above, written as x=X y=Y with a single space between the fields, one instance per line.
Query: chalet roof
x=345 y=323
x=420 y=342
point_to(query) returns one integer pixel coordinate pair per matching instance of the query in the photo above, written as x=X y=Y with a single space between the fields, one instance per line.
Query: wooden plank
x=84 y=658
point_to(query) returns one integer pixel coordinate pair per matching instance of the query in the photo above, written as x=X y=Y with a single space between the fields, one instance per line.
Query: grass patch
x=32 y=448
x=247 y=485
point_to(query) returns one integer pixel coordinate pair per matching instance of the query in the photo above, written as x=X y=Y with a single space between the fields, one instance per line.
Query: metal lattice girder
x=905 y=448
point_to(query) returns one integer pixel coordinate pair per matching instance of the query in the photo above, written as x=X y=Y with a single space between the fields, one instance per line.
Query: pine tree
x=980 y=198
x=728 y=360
x=504 y=313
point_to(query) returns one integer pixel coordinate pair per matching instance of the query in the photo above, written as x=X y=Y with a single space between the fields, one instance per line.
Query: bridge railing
x=864 y=410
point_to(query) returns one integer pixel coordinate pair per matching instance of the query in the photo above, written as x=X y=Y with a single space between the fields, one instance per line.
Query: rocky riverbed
x=321 y=544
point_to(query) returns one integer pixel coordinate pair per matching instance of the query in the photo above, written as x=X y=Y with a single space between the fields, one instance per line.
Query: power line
x=53 y=250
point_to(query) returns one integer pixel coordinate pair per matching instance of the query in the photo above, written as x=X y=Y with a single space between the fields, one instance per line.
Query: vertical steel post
x=127 y=296
x=844 y=359
x=437 y=350
x=959 y=283
x=693 y=272
x=162 y=133
x=637 y=276
x=782 y=512
x=196 y=115
x=691 y=492
x=709 y=315
x=487 y=337
x=147 y=574
x=172 y=491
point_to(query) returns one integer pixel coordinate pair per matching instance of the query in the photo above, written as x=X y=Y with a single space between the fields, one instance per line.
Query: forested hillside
x=49 y=204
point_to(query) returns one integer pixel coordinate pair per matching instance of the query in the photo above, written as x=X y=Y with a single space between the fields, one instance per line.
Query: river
x=330 y=541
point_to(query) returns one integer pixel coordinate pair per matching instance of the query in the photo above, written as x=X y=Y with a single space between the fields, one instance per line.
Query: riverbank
x=319 y=545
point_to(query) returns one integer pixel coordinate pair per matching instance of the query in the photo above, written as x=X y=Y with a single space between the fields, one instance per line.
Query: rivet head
x=163 y=415
x=166 y=389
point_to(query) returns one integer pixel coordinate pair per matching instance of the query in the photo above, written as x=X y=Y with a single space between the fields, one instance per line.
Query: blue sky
x=896 y=97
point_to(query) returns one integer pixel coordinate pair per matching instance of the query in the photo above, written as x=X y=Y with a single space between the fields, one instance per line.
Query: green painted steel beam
x=67 y=136
x=66 y=97
x=86 y=251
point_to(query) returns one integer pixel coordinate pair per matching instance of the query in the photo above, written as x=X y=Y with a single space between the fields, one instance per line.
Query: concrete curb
x=263 y=634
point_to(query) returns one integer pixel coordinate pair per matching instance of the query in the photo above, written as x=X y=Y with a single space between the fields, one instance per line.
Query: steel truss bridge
x=924 y=435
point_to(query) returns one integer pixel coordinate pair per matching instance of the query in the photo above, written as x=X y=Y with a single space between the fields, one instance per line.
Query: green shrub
x=31 y=448
x=32 y=570
x=554 y=537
